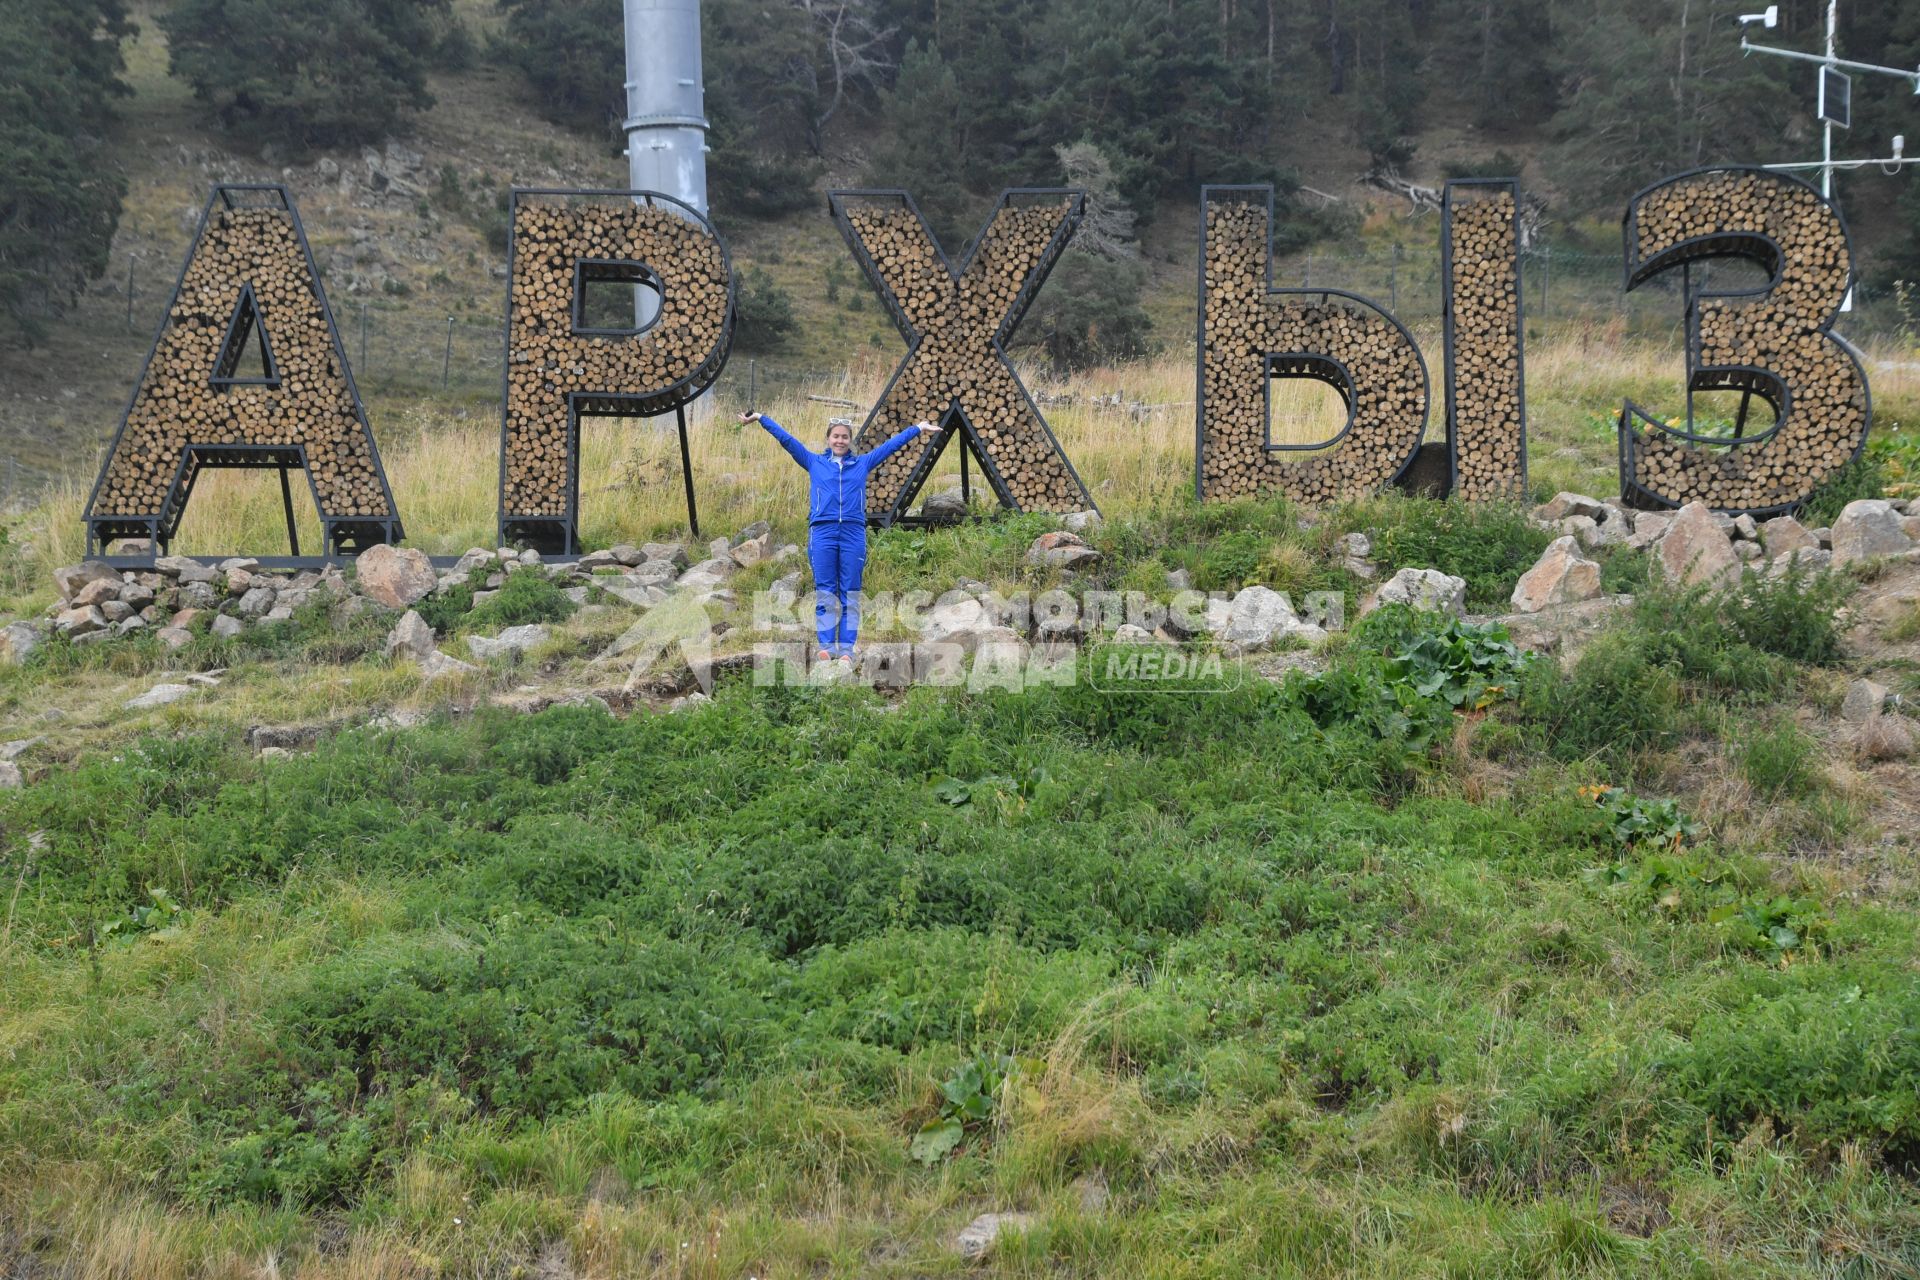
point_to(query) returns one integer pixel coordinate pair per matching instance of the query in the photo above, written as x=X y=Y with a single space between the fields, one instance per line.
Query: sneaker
x=823 y=656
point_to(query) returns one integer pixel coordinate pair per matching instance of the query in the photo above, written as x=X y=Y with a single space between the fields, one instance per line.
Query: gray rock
x=116 y=611
x=10 y=776
x=718 y=549
x=752 y=551
x=257 y=602
x=410 y=636
x=198 y=595
x=758 y=529
x=1561 y=576
x=437 y=664
x=239 y=581
x=1649 y=527
x=161 y=695
x=1564 y=504
x=173 y=638
x=1784 y=534
x=1260 y=616
x=1423 y=589
x=657 y=573
x=395 y=576
x=627 y=555
x=186 y=569
x=639 y=595
x=1867 y=528
x=14 y=750
x=136 y=595
x=1806 y=560
x=72 y=578
x=18 y=640
x=671 y=552
x=708 y=573
x=1179 y=580
x=80 y=622
x=978 y=1239
x=1865 y=699
x=1824 y=536
x=1061 y=549
x=1081 y=521
x=1748 y=551
x=1695 y=550
x=598 y=560
x=511 y=642
x=226 y=626
x=98 y=591
x=945 y=507
x=472 y=559
x=1744 y=527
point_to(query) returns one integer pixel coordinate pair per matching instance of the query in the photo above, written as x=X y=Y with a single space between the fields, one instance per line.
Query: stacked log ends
x=956 y=363
x=177 y=403
x=1244 y=323
x=649 y=373
x=1782 y=333
x=1484 y=390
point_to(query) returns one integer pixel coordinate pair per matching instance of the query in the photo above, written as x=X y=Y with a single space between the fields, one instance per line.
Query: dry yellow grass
x=1128 y=430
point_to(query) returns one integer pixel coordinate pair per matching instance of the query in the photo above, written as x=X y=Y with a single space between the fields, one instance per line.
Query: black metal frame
x=1749 y=246
x=954 y=415
x=343 y=535
x=245 y=320
x=1208 y=193
x=560 y=534
x=1512 y=186
x=611 y=271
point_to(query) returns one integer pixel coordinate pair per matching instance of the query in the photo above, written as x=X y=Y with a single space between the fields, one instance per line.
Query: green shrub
x=1488 y=544
x=528 y=595
x=1864 y=477
x=1615 y=702
x=1779 y=761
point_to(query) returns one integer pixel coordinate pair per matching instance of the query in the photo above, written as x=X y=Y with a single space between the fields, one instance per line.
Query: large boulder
x=395 y=576
x=72 y=578
x=1867 y=528
x=1427 y=589
x=1561 y=576
x=1648 y=528
x=186 y=569
x=1260 y=616
x=411 y=636
x=98 y=591
x=671 y=552
x=1696 y=550
x=18 y=640
x=80 y=622
x=1784 y=535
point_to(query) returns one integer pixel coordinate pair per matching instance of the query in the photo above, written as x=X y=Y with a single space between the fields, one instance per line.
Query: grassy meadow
x=1441 y=962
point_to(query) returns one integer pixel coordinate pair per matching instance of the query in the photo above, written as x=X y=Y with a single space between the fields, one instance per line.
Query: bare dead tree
x=1106 y=225
x=1387 y=178
x=855 y=55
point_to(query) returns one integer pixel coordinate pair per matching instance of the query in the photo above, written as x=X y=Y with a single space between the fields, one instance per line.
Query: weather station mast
x=1833 y=99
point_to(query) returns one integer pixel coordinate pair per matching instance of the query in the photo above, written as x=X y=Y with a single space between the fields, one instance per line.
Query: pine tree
x=60 y=68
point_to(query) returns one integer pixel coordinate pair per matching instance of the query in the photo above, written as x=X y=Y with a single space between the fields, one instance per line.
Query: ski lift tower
x=666 y=120
x=1834 y=99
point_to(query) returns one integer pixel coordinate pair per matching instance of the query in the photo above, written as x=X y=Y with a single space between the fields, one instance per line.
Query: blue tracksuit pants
x=838 y=551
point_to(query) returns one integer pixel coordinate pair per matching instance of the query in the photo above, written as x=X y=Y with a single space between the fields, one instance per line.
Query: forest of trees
x=974 y=95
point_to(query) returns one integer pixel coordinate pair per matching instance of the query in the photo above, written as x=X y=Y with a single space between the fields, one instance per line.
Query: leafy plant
x=159 y=912
x=1635 y=821
x=1468 y=666
x=1776 y=926
x=968 y=1098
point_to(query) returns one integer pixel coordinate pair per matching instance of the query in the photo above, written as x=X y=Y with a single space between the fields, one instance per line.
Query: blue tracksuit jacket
x=837 y=533
x=839 y=489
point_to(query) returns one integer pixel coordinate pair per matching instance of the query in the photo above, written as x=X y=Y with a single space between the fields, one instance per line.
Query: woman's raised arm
x=798 y=451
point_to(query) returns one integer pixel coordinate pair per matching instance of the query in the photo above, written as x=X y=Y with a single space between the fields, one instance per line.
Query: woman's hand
x=926 y=428
x=750 y=416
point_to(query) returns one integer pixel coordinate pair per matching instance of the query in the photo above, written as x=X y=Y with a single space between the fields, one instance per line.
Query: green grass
x=1261 y=960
